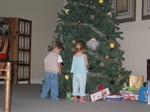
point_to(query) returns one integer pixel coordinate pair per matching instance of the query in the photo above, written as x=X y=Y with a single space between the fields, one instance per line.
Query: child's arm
x=59 y=68
x=86 y=60
x=59 y=65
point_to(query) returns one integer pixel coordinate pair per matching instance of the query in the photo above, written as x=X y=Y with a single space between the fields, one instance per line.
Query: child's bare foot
x=82 y=100
x=75 y=99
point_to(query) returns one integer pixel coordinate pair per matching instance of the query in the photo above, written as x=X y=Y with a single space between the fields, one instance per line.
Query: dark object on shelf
x=145 y=84
x=148 y=69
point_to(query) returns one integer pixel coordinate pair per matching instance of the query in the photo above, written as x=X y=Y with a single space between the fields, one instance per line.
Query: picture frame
x=145 y=9
x=125 y=10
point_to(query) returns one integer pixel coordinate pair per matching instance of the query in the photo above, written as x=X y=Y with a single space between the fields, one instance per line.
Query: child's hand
x=59 y=73
x=89 y=67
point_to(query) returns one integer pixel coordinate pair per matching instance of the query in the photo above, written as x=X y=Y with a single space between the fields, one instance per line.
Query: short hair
x=80 y=45
x=57 y=44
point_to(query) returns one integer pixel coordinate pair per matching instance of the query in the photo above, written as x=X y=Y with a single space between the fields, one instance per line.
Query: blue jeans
x=50 y=83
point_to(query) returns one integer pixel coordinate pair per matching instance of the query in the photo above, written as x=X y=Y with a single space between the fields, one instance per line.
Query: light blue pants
x=79 y=84
x=50 y=83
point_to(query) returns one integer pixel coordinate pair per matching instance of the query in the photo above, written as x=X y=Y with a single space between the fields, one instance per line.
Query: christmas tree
x=94 y=22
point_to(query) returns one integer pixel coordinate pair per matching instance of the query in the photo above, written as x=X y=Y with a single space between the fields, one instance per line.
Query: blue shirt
x=78 y=65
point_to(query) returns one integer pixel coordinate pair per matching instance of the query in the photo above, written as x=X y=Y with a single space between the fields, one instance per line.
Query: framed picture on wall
x=125 y=10
x=145 y=9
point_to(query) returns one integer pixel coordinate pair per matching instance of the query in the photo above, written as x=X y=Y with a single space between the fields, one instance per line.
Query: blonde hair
x=80 y=45
x=57 y=44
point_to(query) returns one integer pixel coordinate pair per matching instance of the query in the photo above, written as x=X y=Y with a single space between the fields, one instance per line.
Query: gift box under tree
x=114 y=98
x=143 y=95
x=130 y=94
x=136 y=81
x=148 y=92
x=99 y=94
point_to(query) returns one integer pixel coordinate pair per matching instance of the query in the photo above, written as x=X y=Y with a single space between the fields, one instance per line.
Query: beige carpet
x=26 y=98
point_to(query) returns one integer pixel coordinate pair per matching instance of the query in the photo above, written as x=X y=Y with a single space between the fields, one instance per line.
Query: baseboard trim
x=33 y=81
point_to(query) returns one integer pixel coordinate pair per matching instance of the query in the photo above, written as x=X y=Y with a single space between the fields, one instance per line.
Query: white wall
x=43 y=15
x=136 y=43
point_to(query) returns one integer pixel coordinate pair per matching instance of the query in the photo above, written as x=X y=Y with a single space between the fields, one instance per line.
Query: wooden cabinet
x=20 y=48
x=148 y=69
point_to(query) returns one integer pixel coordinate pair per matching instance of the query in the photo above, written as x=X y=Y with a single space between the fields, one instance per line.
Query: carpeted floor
x=25 y=98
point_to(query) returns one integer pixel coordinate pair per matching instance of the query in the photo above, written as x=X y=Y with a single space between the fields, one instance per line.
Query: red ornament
x=100 y=87
x=66 y=89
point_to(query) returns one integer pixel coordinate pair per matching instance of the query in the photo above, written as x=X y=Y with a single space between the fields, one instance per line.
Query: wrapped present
x=105 y=92
x=143 y=94
x=68 y=95
x=114 y=98
x=130 y=96
x=129 y=92
x=136 y=81
x=96 y=95
x=148 y=89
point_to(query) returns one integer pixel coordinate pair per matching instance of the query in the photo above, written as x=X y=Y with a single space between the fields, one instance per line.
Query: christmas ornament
x=101 y=1
x=112 y=82
x=109 y=14
x=112 y=45
x=91 y=1
x=73 y=41
x=106 y=57
x=125 y=87
x=93 y=43
x=66 y=77
x=100 y=87
x=78 y=22
x=91 y=17
x=90 y=67
x=101 y=64
x=67 y=11
x=119 y=67
x=119 y=78
x=61 y=38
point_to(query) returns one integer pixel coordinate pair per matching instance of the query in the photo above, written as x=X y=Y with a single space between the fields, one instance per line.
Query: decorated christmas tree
x=94 y=22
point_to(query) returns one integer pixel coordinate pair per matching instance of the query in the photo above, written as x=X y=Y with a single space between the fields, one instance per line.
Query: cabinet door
x=148 y=69
x=19 y=48
x=24 y=50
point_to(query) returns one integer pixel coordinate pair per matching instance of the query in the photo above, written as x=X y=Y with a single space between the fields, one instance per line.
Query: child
x=52 y=67
x=79 y=70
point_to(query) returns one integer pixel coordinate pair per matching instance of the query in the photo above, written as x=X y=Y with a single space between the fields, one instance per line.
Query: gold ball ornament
x=101 y=1
x=73 y=41
x=112 y=45
x=67 y=11
x=106 y=57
